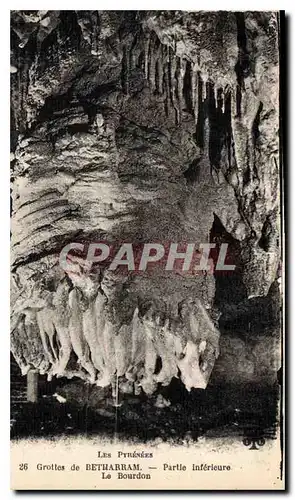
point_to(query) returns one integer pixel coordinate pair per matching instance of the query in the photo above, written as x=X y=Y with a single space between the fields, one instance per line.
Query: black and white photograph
x=147 y=250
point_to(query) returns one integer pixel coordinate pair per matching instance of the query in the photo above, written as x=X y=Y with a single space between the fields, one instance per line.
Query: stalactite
x=18 y=347
x=61 y=315
x=133 y=52
x=47 y=332
x=132 y=59
x=221 y=100
x=66 y=347
x=153 y=57
x=215 y=90
x=25 y=87
x=72 y=319
x=194 y=75
x=228 y=118
x=238 y=134
x=217 y=138
x=18 y=110
x=148 y=382
x=90 y=334
x=137 y=352
x=178 y=89
x=201 y=113
x=189 y=365
x=248 y=172
x=169 y=75
x=94 y=33
x=88 y=341
x=104 y=378
x=122 y=345
x=125 y=71
x=196 y=98
x=234 y=104
x=206 y=103
x=109 y=332
x=255 y=134
x=173 y=87
x=159 y=73
x=238 y=100
x=180 y=79
x=146 y=42
x=157 y=77
x=79 y=344
x=187 y=87
x=166 y=79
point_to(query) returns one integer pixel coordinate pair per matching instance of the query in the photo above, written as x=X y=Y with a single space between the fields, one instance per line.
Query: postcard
x=147 y=250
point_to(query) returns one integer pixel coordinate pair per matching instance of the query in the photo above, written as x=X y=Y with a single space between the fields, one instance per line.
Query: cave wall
x=144 y=126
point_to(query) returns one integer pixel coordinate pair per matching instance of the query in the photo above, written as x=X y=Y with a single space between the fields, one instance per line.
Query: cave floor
x=219 y=411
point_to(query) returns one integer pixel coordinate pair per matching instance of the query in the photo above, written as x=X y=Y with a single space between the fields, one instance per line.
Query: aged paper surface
x=185 y=467
x=146 y=251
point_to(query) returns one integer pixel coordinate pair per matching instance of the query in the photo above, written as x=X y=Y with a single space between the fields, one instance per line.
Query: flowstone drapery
x=138 y=126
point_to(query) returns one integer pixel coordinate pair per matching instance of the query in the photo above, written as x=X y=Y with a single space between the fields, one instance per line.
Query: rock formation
x=139 y=126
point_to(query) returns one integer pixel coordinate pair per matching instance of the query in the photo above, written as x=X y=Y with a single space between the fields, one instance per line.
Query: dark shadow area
x=222 y=410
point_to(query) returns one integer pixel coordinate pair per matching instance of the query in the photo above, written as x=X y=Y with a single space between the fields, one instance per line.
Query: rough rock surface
x=140 y=126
